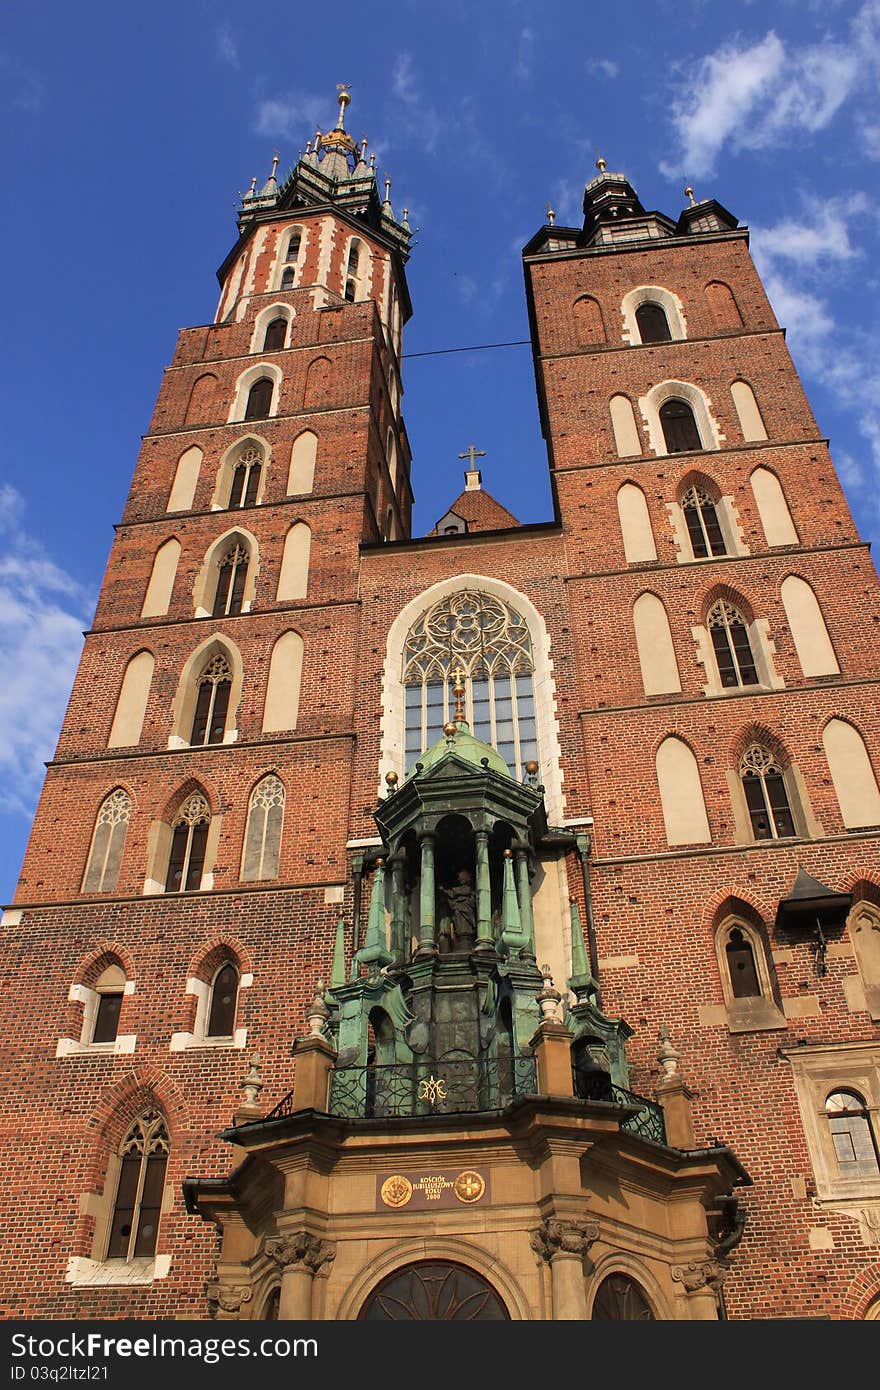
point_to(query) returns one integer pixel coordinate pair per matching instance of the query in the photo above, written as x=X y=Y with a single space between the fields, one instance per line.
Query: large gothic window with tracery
x=144 y=1158
x=765 y=793
x=212 y=702
x=621 y=1299
x=487 y=642
x=108 y=841
x=188 y=845
x=434 y=1291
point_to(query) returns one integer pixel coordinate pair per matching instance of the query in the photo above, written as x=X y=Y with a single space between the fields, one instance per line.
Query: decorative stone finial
x=253 y=1082
x=317 y=1013
x=601 y=165
x=667 y=1056
x=387 y=189
x=458 y=692
x=373 y=160
x=551 y=214
x=549 y=998
x=531 y=769
x=689 y=194
x=276 y=159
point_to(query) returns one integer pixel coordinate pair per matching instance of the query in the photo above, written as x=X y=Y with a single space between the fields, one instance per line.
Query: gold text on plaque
x=433 y=1089
x=396 y=1191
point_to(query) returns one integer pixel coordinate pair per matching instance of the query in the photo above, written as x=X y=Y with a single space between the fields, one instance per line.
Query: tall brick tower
x=550 y=850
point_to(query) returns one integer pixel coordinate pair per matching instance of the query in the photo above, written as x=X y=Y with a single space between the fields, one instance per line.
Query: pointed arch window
x=741 y=967
x=188 y=845
x=679 y=426
x=246 y=478
x=143 y=1158
x=488 y=641
x=259 y=401
x=287 y=277
x=262 y=848
x=293 y=245
x=276 y=335
x=704 y=528
x=105 y=856
x=212 y=703
x=354 y=257
x=224 y=999
x=730 y=640
x=349 y=291
x=765 y=793
x=230 y=583
x=854 y=1144
x=653 y=324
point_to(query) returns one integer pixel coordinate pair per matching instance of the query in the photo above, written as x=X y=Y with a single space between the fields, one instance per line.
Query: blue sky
x=129 y=132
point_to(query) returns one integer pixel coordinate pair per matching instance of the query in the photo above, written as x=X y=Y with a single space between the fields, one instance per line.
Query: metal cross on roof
x=472 y=454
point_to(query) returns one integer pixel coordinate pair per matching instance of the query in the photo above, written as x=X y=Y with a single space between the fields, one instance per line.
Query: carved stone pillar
x=427 y=898
x=300 y=1256
x=225 y=1300
x=399 y=945
x=484 y=892
x=524 y=887
x=701 y=1280
x=563 y=1244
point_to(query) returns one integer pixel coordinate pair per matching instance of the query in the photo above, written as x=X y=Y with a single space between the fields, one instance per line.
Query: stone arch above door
x=433 y=1291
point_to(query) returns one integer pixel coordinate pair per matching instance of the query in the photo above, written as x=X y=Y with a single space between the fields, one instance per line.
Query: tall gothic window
x=246 y=478
x=212 y=702
x=144 y=1158
x=293 y=246
x=231 y=582
x=276 y=335
x=105 y=858
x=653 y=324
x=704 y=530
x=488 y=642
x=730 y=639
x=850 y=1126
x=679 y=427
x=765 y=794
x=262 y=841
x=259 y=401
x=224 y=997
x=188 y=845
x=287 y=276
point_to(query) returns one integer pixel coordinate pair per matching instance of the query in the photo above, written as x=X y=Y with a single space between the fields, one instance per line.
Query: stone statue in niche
x=458 y=925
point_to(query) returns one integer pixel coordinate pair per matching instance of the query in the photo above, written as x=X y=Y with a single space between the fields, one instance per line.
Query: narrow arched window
x=293 y=246
x=679 y=426
x=246 y=478
x=231 y=582
x=110 y=989
x=704 y=529
x=287 y=278
x=741 y=967
x=730 y=639
x=488 y=642
x=105 y=856
x=259 y=401
x=224 y=997
x=262 y=846
x=765 y=794
x=653 y=324
x=855 y=1146
x=143 y=1156
x=188 y=845
x=349 y=291
x=276 y=335
x=212 y=703
x=354 y=257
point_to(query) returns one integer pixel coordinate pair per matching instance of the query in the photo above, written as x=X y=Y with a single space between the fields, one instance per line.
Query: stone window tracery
x=704 y=528
x=105 y=856
x=730 y=640
x=233 y=568
x=263 y=835
x=138 y=1203
x=487 y=641
x=212 y=702
x=246 y=478
x=188 y=845
x=766 y=797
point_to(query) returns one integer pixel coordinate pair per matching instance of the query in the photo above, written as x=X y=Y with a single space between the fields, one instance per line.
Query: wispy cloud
x=433 y=127
x=604 y=67
x=403 y=81
x=292 y=116
x=525 y=56
x=765 y=93
x=42 y=613
x=226 y=47
x=23 y=87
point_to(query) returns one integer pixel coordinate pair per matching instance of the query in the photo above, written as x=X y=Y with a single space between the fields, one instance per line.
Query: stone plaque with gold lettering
x=459 y=1187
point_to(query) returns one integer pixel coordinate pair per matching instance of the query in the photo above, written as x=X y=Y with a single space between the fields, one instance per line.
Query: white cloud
x=403 y=82
x=807 y=243
x=525 y=55
x=604 y=66
x=42 y=613
x=755 y=95
x=292 y=116
x=227 y=48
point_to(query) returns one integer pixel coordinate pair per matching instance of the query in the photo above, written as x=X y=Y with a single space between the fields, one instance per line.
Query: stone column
x=525 y=899
x=484 y=892
x=551 y=1045
x=313 y=1063
x=300 y=1255
x=399 y=950
x=701 y=1280
x=563 y=1244
x=427 y=899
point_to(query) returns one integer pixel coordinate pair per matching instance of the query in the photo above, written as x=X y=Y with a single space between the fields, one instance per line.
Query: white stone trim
x=122 y=1046
x=711 y=435
x=86 y=1273
x=201 y=989
x=264 y=318
x=244 y=384
x=392 y=738
x=205 y=586
x=652 y=294
x=281 y=262
x=12 y=917
x=258 y=241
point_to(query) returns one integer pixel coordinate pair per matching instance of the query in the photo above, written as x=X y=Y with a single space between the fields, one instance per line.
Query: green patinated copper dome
x=464 y=745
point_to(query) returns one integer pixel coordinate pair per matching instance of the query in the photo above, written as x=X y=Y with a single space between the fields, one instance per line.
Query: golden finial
x=551 y=214
x=276 y=160
x=343 y=88
x=689 y=194
x=253 y=185
x=449 y=729
x=601 y=165
x=392 y=779
x=458 y=692
x=364 y=143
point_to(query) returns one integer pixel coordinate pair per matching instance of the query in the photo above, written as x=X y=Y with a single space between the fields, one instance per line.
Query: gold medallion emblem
x=396 y=1191
x=469 y=1186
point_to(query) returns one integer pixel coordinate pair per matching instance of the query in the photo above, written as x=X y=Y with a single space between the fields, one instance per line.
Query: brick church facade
x=479 y=924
